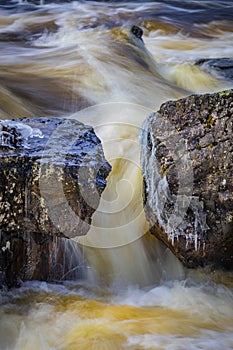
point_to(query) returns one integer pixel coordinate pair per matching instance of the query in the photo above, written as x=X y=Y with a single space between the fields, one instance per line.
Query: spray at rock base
x=77 y=60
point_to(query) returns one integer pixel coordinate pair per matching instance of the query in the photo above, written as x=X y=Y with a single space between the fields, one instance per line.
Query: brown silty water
x=80 y=60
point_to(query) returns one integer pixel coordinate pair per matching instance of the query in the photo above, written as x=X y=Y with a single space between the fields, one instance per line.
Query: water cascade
x=119 y=227
x=80 y=60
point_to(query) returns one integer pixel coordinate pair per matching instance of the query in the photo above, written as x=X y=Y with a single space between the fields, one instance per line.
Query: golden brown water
x=79 y=60
x=176 y=315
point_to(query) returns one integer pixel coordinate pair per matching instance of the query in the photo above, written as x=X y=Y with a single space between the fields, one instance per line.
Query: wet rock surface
x=187 y=160
x=53 y=172
x=220 y=66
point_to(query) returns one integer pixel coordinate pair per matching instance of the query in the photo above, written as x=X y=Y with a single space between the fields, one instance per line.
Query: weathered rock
x=52 y=174
x=187 y=160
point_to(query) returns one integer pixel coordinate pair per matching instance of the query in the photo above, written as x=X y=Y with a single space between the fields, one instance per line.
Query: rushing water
x=79 y=60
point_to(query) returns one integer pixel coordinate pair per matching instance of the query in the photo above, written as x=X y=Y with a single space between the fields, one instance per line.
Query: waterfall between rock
x=118 y=246
x=79 y=59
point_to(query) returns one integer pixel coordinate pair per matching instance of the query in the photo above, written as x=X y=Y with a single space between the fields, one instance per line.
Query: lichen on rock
x=53 y=172
x=187 y=157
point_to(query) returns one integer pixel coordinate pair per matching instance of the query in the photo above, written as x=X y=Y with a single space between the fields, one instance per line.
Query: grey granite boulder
x=52 y=173
x=187 y=161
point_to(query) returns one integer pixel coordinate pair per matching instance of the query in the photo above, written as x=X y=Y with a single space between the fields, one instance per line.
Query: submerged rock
x=53 y=172
x=137 y=31
x=220 y=66
x=187 y=160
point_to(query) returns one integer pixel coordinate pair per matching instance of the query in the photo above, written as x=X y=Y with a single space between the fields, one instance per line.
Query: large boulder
x=187 y=161
x=52 y=172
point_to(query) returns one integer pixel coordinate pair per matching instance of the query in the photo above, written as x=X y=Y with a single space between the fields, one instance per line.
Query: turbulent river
x=81 y=60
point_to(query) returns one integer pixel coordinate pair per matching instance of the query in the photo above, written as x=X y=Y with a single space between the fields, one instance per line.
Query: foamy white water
x=80 y=60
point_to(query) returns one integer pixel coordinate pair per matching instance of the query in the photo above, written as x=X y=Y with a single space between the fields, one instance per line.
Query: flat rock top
x=43 y=138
